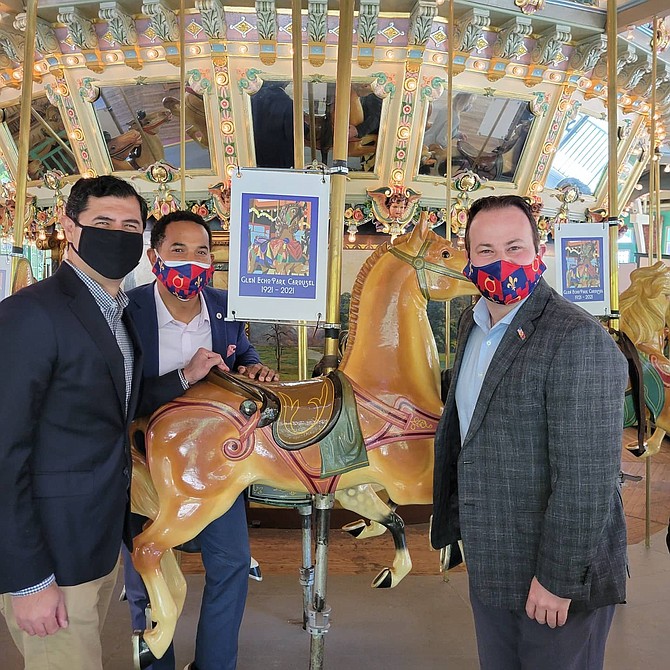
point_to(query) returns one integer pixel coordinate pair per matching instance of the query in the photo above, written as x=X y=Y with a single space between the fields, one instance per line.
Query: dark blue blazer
x=225 y=334
x=64 y=454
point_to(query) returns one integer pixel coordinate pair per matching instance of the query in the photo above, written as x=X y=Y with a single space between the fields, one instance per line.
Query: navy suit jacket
x=64 y=453
x=228 y=337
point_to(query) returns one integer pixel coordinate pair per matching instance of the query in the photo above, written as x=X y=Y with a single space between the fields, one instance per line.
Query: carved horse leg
x=364 y=500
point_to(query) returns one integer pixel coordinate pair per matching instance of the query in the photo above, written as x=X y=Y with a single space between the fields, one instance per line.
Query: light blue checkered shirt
x=482 y=344
x=112 y=309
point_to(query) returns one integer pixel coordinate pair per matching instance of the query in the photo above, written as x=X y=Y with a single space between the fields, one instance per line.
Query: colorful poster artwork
x=279 y=239
x=582 y=267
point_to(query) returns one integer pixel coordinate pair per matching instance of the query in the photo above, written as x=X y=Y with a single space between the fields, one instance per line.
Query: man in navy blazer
x=72 y=373
x=528 y=454
x=174 y=316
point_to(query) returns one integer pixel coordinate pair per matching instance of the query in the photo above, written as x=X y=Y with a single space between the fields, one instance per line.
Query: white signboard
x=278 y=246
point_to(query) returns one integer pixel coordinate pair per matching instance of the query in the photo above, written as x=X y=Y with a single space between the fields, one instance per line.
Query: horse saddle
x=303 y=413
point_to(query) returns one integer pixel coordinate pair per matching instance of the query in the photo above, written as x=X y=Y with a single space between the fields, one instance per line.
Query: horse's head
x=438 y=264
x=645 y=304
x=119 y=147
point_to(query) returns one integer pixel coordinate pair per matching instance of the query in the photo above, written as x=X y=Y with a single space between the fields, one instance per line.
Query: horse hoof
x=355 y=528
x=142 y=655
x=384 y=580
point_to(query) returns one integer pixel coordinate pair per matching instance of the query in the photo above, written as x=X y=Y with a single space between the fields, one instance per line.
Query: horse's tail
x=143 y=494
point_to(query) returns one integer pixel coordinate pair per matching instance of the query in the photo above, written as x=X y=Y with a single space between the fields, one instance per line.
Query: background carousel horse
x=152 y=149
x=224 y=434
x=194 y=109
x=644 y=312
x=121 y=149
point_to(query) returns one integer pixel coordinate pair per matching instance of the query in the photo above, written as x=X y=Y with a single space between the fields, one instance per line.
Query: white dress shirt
x=177 y=341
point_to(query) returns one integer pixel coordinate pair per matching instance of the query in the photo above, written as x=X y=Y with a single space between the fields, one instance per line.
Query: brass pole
x=450 y=146
x=182 y=100
x=312 y=120
x=298 y=145
x=612 y=179
x=338 y=181
x=24 y=132
x=50 y=131
x=654 y=253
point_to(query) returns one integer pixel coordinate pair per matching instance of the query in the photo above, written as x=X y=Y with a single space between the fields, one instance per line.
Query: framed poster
x=582 y=265
x=278 y=246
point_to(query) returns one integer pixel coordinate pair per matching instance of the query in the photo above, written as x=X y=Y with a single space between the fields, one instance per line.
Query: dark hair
x=100 y=187
x=158 y=231
x=493 y=202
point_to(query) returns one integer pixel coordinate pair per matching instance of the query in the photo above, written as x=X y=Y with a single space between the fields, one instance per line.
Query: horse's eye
x=446 y=254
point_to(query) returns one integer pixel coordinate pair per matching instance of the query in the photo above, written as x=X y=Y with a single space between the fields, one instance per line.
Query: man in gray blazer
x=527 y=457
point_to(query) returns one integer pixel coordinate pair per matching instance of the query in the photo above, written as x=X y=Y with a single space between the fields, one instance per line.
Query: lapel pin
x=218 y=315
x=521 y=334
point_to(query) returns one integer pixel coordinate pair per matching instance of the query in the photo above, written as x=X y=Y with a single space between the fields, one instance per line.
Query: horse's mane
x=644 y=303
x=356 y=295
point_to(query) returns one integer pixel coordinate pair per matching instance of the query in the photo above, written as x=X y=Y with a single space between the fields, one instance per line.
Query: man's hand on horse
x=42 y=613
x=258 y=371
x=201 y=363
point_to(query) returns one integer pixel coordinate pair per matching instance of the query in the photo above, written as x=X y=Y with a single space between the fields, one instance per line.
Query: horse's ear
x=418 y=235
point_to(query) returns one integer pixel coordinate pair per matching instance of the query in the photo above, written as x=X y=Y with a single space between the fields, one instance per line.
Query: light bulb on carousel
x=352 y=229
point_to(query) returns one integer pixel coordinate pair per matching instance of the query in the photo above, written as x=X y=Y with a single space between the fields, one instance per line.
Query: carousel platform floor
x=425 y=623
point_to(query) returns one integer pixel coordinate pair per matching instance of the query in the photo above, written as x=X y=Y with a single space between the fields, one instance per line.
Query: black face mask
x=111 y=253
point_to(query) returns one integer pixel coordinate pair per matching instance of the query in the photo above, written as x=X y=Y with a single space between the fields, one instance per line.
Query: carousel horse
x=152 y=148
x=121 y=149
x=644 y=308
x=194 y=109
x=368 y=426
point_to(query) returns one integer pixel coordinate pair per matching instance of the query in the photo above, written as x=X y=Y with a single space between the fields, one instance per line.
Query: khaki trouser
x=76 y=647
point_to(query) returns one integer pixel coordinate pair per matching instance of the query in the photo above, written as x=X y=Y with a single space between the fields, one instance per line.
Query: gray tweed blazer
x=533 y=490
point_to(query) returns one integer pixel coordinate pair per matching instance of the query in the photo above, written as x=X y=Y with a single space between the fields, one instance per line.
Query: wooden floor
x=279 y=550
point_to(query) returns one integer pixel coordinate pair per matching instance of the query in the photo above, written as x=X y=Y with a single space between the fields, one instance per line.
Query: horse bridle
x=421 y=265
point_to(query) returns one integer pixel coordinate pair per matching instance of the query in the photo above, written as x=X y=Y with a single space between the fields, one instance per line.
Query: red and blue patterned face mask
x=504 y=282
x=183 y=280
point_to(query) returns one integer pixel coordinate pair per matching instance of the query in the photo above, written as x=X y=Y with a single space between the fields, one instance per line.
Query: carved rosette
x=410 y=88
x=59 y=95
x=227 y=126
x=368 y=19
x=564 y=111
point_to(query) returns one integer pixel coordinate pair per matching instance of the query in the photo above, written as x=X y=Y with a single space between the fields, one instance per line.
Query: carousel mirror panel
x=581 y=157
x=140 y=124
x=489 y=134
x=49 y=143
x=272 y=118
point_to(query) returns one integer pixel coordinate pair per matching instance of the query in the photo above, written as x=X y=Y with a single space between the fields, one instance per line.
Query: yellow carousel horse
x=225 y=433
x=644 y=314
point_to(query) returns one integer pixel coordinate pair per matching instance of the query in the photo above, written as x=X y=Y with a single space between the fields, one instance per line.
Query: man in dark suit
x=174 y=316
x=72 y=371
x=527 y=457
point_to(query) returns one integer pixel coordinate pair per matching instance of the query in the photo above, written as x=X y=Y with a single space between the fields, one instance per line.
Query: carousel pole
x=318 y=615
x=24 y=134
x=451 y=34
x=298 y=145
x=305 y=511
x=182 y=100
x=655 y=235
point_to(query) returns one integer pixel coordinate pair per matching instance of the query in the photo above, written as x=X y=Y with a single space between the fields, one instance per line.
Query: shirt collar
x=164 y=316
x=482 y=316
x=102 y=297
